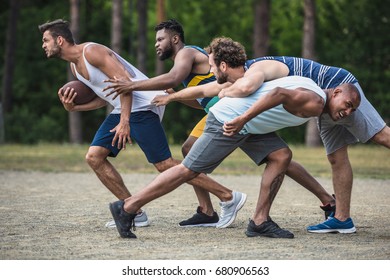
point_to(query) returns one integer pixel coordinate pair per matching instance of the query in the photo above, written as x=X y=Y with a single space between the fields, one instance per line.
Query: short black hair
x=173 y=26
x=58 y=27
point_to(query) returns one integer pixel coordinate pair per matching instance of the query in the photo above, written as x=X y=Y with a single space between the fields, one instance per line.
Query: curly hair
x=58 y=27
x=227 y=50
x=173 y=26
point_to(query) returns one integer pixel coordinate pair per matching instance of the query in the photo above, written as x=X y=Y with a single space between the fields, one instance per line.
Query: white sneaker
x=141 y=220
x=230 y=208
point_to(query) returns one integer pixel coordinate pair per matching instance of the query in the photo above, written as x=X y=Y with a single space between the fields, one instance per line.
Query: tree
x=261 y=27
x=75 y=123
x=9 y=64
x=142 y=11
x=116 y=33
x=116 y=26
x=312 y=138
x=161 y=16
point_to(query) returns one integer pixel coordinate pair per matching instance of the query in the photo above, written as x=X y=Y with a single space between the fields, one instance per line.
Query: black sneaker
x=200 y=220
x=268 y=229
x=328 y=209
x=124 y=221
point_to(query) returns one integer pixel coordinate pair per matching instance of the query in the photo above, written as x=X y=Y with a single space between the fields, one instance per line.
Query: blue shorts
x=145 y=129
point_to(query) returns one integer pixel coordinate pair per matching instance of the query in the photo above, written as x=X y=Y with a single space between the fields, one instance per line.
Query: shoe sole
x=137 y=224
x=332 y=230
x=256 y=234
x=142 y=224
x=123 y=234
x=238 y=208
x=200 y=225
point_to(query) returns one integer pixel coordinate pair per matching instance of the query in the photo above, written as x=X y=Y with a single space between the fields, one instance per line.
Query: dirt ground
x=61 y=216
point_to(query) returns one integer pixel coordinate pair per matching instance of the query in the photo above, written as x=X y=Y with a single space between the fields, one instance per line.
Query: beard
x=166 y=54
x=221 y=77
x=55 y=52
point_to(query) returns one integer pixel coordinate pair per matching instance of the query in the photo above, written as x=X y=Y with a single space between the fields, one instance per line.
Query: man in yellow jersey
x=191 y=68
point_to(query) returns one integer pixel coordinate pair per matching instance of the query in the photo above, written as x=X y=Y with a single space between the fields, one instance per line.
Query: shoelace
x=222 y=212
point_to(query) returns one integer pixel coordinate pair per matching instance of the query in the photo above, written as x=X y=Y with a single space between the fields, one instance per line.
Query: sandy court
x=62 y=215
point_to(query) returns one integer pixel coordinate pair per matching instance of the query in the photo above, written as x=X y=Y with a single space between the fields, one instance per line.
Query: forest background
x=349 y=34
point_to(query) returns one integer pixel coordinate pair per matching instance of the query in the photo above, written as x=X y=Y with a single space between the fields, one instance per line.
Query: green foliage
x=356 y=40
x=286 y=28
x=204 y=20
x=350 y=34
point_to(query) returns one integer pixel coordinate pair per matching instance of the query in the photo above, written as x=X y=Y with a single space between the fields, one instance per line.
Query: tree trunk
x=116 y=27
x=2 y=131
x=161 y=16
x=131 y=24
x=261 y=27
x=142 y=10
x=9 y=65
x=75 y=123
x=312 y=137
x=116 y=34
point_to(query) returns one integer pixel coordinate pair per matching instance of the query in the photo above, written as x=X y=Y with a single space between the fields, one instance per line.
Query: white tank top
x=271 y=120
x=141 y=99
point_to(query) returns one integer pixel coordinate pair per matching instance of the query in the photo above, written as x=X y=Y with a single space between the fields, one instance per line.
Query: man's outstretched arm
x=300 y=102
x=191 y=93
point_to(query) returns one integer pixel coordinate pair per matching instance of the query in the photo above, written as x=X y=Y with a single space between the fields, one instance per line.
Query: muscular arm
x=300 y=102
x=258 y=73
x=105 y=60
x=182 y=67
x=191 y=93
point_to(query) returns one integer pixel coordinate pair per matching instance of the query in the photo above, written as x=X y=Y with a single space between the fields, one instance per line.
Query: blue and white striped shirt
x=325 y=76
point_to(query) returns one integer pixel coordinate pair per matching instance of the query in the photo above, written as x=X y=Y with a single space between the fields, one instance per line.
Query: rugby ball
x=84 y=93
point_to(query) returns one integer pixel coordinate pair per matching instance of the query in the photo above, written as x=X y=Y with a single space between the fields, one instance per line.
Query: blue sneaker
x=333 y=225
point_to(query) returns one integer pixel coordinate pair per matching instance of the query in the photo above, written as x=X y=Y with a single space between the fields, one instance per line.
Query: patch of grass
x=368 y=161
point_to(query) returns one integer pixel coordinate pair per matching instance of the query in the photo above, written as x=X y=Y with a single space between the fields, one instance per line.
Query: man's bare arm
x=258 y=73
x=300 y=102
x=180 y=70
x=207 y=90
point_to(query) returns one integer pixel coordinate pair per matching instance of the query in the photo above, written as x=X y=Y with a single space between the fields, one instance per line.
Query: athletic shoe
x=141 y=220
x=268 y=229
x=333 y=225
x=124 y=221
x=200 y=219
x=230 y=208
x=328 y=210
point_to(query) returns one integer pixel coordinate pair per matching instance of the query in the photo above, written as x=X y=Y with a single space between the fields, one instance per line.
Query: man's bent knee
x=166 y=164
x=187 y=145
x=95 y=156
x=282 y=155
x=339 y=156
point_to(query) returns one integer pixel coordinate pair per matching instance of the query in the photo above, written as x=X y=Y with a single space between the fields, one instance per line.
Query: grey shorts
x=361 y=126
x=213 y=147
